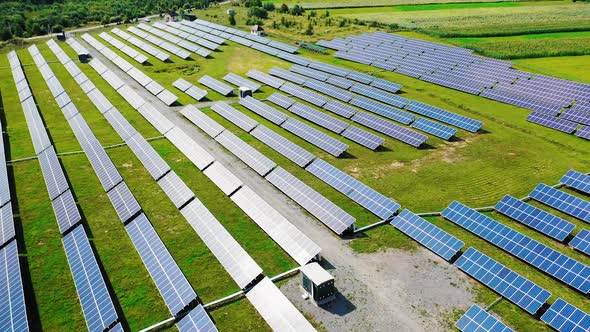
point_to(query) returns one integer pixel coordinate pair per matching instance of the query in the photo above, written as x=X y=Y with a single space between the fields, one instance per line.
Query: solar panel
x=216 y=85
x=278 y=312
x=223 y=178
x=563 y=316
x=320 y=207
x=304 y=94
x=240 y=266
x=241 y=82
x=155 y=118
x=390 y=129
x=290 y=150
x=178 y=192
x=201 y=120
x=386 y=85
x=66 y=212
x=535 y=218
x=194 y=152
x=54 y=177
x=315 y=137
x=444 y=116
x=6 y=224
x=111 y=78
x=329 y=90
x=246 y=153
x=577 y=180
x=234 y=116
x=120 y=124
x=150 y=159
x=197 y=320
x=132 y=97
x=564 y=202
x=94 y=296
x=434 y=128
x=339 y=71
x=319 y=118
x=123 y=201
x=581 y=241
x=100 y=101
x=427 y=234
x=511 y=285
x=281 y=100
x=294 y=242
x=363 y=137
x=340 y=82
x=13 y=310
x=271 y=114
x=380 y=95
x=155 y=89
x=546 y=259
x=478 y=320
x=383 y=110
x=365 y=196
x=583 y=132
x=316 y=74
x=139 y=76
x=171 y=283
x=100 y=161
x=36 y=126
x=287 y=75
x=549 y=121
x=265 y=78
x=582 y=117
x=339 y=108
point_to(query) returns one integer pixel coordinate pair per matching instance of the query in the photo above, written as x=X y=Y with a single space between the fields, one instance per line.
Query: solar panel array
x=315 y=137
x=434 y=128
x=386 y=111
x=309 y=96
x=390 y=129
x=240 y=266
x=549 y=121
x=234 y=116
x=444 y=116
x=457 y=68
x=91 y=288
x=205 y=123
x=171 y=283
x=363 y=137
x=271 y=114
x=162 y=44
x=152 y=86
x=149 y=49
x=196 y=44
x=241 y=82
x=511 y=285
x=265 y=78
x=130 y=52
x=216 y=85
x=477 y=319
x=13 y=309
x=250 y=156
x=535 y=218
x=546 y=259
x=562 y=316
x=288 y=149
x=188 y=88
x=278 y=312
x=581 y=241
x=577 y=180
x=281 y=100
x=319 y=118
x=562 y=201
x=293 y=241
x=432 y=237
x=174 y=38
x=197 y=320
x=365 y=196
x=325 y=211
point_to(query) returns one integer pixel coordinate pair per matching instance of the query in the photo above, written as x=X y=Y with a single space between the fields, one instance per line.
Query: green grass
x=463 y=5
x=510 y=158
x=315 y=4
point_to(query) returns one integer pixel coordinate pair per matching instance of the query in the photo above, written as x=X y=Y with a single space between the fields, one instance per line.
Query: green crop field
x=510 y=156
x=378 y=3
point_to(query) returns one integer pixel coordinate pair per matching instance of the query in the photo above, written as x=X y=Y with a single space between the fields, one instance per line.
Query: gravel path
x=387 y=291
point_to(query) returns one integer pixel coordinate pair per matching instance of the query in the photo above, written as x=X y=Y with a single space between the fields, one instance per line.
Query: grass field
x=510 y=157
x=378 y=3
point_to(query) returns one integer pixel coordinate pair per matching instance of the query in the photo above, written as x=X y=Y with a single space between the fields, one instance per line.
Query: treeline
x=38 y=17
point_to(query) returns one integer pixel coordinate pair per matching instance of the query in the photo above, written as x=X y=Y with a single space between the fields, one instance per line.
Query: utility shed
x=318 y=283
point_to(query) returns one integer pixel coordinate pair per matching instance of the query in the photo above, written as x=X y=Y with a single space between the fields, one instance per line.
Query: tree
x=269 y=6
x=36 y=29
x=104 y=20
x=309 y=30
x=297 y=10
x=6 y=34
x=232 y=18
x=258 y=12
x=57 y=28
x=284 y=9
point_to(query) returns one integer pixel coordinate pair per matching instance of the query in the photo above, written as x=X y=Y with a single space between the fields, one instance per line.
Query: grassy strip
x=531 y=48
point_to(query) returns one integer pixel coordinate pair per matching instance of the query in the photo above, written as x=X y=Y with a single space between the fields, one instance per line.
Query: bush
x=284 y=9
x=297 y=10
x=309 y=30
x=57 y=28
x=258 y=12
x=254 y=21
x=269 y=6
x=232 y=18
x=253 y=3
x=393 y=26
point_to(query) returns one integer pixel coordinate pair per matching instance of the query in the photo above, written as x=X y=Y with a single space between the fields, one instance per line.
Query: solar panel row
x=324 y=210
x=290 y=150
x=581 y=241
x=390 y=129
x=565 y=317
x=546 y=259
x=315 y=137
x=189 y=89
x=162 y=44
x=13 y=309
x=234 y=116
x=265 y=78
x=511 y=285
x=160 y=55
x=216 y=85
x=562 y=201
x=250 y=156
x=427 y=234
x=445 y=116
x=130 y=52
x=271 y=114
x=241 y=82
x=478 y=320
x=364 y=195
x=577 y=180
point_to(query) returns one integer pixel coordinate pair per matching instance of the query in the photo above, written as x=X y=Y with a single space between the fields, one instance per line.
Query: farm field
x=378 y=3
x=509 y=156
